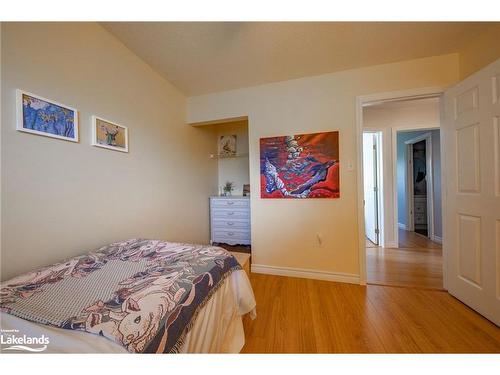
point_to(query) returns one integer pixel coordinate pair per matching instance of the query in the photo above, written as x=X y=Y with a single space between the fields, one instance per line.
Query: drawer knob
x=230 y=213
x=230 y=223
x=230 y=233
x=230 y=203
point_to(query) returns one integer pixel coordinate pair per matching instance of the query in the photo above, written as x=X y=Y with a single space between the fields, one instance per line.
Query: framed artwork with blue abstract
x=46 y=117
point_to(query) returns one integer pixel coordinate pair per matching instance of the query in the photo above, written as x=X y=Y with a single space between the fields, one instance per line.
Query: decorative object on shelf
x=109 y=135
x=46 y=117
x=227 y=145
x=246 y=190
x=228 y=188
x=300 y=166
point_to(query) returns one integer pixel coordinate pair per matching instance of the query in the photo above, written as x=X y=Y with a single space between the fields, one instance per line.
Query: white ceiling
x=204 y=57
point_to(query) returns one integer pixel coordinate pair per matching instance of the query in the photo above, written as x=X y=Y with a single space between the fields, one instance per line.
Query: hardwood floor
x=418 y=262
x=310 y=316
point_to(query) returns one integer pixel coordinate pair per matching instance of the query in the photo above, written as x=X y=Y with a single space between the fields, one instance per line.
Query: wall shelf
x=222 y=156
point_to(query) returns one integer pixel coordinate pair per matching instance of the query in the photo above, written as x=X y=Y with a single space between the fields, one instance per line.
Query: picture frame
x=109 y=135
x=227 y=145
x=246 y=190
x=46 y=117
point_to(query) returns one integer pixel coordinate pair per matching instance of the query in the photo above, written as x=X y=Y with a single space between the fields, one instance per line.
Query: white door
x=370 y=185
x=471 y=176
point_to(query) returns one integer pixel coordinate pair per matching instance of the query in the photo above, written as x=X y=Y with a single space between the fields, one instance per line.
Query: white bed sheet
x=218 y=327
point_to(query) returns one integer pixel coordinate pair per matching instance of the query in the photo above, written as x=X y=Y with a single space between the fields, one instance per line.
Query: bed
x=135 y=296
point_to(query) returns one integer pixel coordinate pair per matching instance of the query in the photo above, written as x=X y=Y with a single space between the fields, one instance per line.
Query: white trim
x=20 y=117
x=306 y=273
x=361 y=101
x=442 y=119
x=392 y=244
x=94 y=135
x=402 y=226
x=361 y=191
x=437 y=239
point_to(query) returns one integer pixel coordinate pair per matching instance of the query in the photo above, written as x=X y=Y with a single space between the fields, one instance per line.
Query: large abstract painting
x=300 y=166
x=46 y=117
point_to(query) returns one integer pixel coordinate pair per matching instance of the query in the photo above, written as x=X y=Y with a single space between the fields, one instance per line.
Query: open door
x=471 y=177
x=370 y=186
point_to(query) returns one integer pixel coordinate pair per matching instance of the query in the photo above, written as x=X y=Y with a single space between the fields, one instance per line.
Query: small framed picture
x=109 y=135
x=246 y=190
x=42 y=116
x=227 y=145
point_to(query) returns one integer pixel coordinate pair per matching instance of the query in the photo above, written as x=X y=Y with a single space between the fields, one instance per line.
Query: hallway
x=416 y=263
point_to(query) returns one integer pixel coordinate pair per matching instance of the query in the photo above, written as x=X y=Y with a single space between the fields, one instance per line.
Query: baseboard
x=437 y=239
x=306 y=273
x=402 y=226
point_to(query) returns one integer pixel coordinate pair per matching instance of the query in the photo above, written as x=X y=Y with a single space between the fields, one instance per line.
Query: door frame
x=361 y=101
x=380 y=184
x=429 y=182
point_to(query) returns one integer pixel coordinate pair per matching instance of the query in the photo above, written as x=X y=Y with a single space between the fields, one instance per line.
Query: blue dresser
x=230 y=220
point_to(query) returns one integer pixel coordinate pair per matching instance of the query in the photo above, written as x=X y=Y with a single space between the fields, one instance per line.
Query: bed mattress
x=217 y=329
x=140 y=296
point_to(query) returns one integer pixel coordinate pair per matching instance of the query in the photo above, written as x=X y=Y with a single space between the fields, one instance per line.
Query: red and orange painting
x=300 y=166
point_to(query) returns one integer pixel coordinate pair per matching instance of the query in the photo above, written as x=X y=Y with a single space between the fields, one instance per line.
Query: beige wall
x=235 y=169
x=284 y=231
x=410 y=114
x=59 y=198
x=480 y=52
x=386 y=118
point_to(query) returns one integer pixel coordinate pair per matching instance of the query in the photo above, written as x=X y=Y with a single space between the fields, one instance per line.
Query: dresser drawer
x=229 y=224
x=230 y=214
x=420 y=219
x=420 y=208
x=230 y=203
x=220 y=234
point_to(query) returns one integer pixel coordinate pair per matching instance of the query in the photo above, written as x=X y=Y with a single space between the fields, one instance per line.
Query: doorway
x=372 y=187
x=417 y=189
x=411 y=254
x=418 y=182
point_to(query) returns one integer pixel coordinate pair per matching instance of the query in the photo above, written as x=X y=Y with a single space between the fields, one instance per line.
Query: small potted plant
x=228 y=188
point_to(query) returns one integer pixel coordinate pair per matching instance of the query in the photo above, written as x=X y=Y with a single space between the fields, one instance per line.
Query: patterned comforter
x=142 y=294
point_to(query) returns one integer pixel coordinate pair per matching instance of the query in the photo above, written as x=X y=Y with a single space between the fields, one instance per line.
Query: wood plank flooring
x=418 y=262
x=310 y=316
